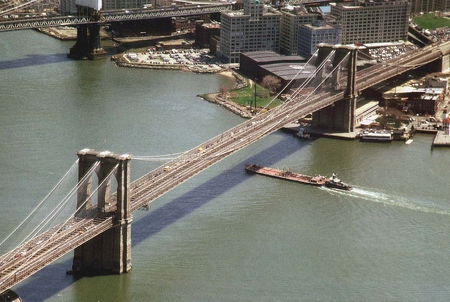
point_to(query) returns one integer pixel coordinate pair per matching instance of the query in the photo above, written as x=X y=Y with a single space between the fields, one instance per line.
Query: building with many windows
x=256 y=28
x=119 y=4
x=291 y=19
x=372 y=21
x=310 y=35
x=426 y=6
x=69 y=7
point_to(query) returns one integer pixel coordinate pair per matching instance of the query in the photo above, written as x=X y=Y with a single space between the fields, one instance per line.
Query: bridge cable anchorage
x=40 y=203
x=42 y=224
x=60 y=227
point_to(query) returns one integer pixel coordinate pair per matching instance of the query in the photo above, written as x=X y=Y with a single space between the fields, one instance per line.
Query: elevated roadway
x=112 y=16
x=30 y=257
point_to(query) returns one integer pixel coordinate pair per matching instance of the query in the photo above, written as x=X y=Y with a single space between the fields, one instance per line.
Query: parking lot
x=192 y=59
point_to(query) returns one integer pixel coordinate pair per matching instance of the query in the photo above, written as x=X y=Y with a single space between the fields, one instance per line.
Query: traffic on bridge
x=313 y=94
x=109 y=16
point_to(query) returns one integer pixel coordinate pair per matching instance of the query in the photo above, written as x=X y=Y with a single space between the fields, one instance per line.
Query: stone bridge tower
x=88 y=45
x=341 y=115
x=109 y=252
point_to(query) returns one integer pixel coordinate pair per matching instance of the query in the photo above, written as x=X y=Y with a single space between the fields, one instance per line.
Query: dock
x=441 y=140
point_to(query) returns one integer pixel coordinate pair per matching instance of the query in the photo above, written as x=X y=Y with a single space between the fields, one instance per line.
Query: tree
x=272 y=83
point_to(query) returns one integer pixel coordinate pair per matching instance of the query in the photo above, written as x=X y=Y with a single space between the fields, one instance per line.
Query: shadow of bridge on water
x=52 y=279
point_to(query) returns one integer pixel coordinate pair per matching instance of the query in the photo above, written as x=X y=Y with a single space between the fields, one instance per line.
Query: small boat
x=336 y=183
x=303 y=134
x=319 y=180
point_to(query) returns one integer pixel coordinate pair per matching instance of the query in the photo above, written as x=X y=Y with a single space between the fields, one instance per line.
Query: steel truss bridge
x=40 y=251
x=112 y=16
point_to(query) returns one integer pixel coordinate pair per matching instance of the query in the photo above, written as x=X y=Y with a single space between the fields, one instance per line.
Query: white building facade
x=367 y=21
x=256 y=28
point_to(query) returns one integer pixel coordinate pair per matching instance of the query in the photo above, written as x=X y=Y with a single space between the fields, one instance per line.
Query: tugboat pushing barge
x=331 y=182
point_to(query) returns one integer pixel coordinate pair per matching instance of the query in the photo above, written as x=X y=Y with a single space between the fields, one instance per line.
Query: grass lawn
x=430 y=21
x=246 y=97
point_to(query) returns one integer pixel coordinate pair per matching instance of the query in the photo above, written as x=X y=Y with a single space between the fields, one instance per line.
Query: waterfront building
x=416 y=100
x=310 y=35
x=369 y=21
x=204 y=32
x=255 y=28
x=446 y=126
x=292 y=17
x=258 y=64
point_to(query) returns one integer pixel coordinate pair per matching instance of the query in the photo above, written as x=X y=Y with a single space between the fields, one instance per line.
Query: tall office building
x=310 y=35
x=372 y=21
x=119 y=4
x=256 y=28
x=68 y=6
x=292 y=17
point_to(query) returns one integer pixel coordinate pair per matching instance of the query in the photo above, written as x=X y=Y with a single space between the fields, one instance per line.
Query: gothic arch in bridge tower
x=109 y=252
x=340 y=116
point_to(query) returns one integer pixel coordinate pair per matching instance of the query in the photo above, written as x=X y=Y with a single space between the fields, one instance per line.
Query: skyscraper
x=255 y=28
x=372 y=21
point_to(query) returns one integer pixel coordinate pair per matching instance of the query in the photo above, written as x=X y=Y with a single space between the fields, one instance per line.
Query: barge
x=331 y=182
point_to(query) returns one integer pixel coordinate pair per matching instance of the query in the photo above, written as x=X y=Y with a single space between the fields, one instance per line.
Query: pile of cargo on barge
x=331 y=182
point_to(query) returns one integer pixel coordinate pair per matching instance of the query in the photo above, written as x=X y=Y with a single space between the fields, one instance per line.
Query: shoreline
x=70 y=34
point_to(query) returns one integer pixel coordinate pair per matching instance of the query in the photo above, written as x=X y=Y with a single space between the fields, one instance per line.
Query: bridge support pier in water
x=109 y=252
x=341 y=115
x=87 y=45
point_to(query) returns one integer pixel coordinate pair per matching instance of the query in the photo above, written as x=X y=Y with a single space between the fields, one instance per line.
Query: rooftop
x=271 y=56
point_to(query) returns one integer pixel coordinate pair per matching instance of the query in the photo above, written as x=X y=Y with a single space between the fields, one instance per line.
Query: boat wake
x=407 y=202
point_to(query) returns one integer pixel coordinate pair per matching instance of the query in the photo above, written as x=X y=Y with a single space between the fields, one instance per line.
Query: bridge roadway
x=30 y=257
x=113 y=16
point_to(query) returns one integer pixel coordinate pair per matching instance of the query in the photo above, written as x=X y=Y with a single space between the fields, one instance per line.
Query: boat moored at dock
x=331 y=182
x=376 y=136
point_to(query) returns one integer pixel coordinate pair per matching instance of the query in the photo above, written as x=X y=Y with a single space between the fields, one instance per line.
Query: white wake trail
x=406 y=202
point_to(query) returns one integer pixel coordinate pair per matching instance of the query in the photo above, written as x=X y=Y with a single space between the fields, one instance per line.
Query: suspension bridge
x=100 y=234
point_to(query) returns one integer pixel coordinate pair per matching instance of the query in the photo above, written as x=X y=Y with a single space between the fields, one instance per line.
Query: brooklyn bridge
x=100 y=232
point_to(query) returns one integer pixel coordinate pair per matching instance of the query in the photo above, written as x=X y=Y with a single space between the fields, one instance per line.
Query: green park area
x=431 y=21
x=247 y=96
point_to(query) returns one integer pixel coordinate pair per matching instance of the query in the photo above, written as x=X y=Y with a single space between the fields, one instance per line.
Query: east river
x=224 y=235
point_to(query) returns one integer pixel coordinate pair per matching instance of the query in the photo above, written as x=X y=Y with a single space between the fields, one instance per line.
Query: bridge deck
x=30 y=257
x=113 y=16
